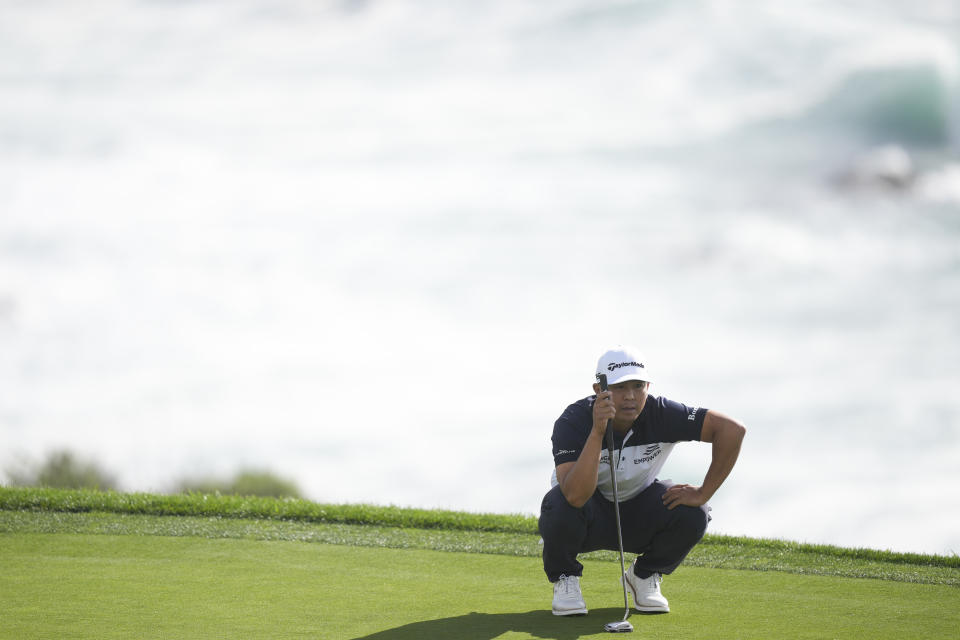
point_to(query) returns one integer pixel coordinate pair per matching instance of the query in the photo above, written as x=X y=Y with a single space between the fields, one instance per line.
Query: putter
x=621 y=626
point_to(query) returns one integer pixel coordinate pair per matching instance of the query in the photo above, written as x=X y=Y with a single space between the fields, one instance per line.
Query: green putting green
x=56 y=585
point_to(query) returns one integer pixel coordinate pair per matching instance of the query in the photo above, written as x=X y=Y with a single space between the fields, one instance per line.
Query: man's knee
x=557 y=517
x=691 y=521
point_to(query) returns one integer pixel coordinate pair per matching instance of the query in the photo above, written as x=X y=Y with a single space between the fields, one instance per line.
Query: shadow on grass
x=485 y=626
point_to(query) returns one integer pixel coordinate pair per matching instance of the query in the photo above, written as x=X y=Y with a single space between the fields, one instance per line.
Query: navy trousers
x=660 y=537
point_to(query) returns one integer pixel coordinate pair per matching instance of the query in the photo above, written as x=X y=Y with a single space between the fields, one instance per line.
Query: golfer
x=660 y=522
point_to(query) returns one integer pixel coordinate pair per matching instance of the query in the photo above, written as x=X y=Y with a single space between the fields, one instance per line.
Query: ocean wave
x=915 y=105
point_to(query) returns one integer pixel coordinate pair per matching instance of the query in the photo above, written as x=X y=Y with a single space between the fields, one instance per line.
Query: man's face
x=628 y=399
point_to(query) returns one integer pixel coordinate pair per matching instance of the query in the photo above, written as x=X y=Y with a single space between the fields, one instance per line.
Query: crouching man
x=660 y=523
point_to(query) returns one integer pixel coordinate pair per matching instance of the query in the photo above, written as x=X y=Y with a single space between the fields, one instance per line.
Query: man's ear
x=596 y=387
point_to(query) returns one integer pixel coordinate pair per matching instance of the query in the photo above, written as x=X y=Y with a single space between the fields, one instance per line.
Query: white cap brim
x=627 y=376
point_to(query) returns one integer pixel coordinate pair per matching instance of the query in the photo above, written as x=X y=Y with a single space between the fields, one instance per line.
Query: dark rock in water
x=888 y=166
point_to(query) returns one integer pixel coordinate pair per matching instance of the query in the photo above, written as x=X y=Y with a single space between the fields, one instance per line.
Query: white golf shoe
x=646 y=592
x=567 y=599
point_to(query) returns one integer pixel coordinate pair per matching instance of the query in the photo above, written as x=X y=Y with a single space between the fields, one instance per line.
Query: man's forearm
x=726 y=450
x=581 y=481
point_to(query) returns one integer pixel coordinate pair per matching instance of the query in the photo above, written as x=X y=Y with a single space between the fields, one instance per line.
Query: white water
x=377 y=247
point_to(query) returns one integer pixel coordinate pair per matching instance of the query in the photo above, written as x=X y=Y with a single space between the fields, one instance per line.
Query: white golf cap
x=623 y=363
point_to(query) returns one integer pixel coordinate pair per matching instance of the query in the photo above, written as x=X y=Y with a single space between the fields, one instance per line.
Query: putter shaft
x=623 y=625
x=616 y=511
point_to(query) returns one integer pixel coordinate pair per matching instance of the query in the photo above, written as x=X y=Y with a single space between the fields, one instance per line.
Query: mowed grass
x=71 y=585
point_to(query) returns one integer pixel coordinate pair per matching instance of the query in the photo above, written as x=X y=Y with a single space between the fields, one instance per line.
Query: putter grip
x=609 y=434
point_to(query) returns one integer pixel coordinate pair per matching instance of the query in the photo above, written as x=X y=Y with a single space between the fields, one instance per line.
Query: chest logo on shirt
x=649 y=454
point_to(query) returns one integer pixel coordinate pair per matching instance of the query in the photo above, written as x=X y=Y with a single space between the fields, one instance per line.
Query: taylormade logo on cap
x=623 y=363
x=617 y=365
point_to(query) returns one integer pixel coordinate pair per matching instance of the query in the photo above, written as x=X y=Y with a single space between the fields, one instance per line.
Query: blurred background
x=375 y=247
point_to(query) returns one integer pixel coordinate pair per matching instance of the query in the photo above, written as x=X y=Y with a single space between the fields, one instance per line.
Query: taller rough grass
x=715 y=549
x=229 y=506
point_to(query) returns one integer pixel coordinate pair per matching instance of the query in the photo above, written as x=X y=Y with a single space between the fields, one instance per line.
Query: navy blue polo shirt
x=639 y=453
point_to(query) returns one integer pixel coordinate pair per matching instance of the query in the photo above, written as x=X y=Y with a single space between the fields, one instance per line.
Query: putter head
x=621 y=626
